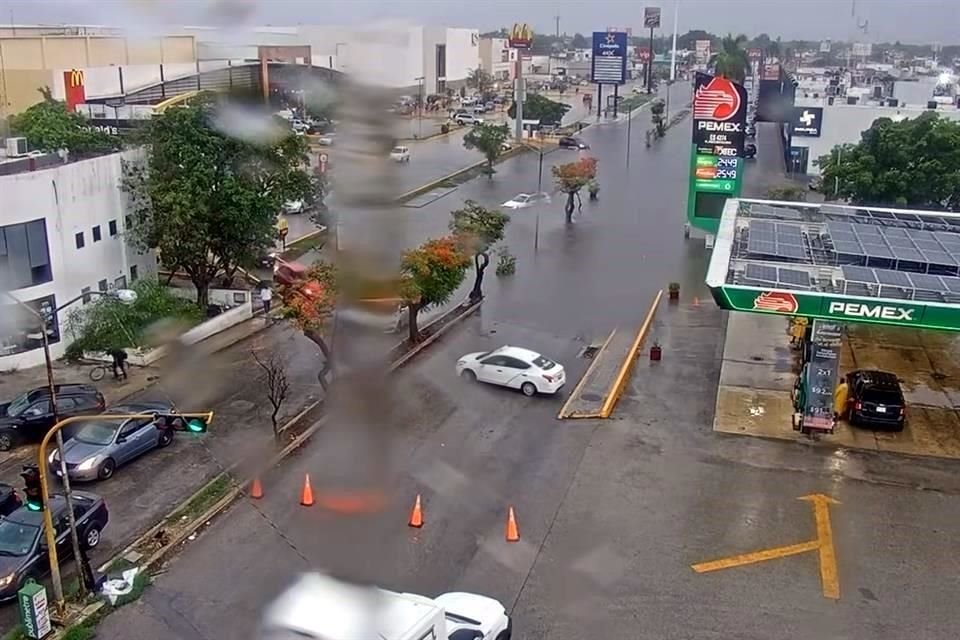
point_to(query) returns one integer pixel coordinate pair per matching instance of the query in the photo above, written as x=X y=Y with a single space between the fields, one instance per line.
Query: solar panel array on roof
x=896 y=243
x=769 y=274
x=777 y=239
x=902 y=280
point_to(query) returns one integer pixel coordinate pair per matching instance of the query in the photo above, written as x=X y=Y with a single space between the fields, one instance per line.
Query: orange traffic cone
x=416 y=515
x=256 y=490
x=513 y=533
x=306 y=497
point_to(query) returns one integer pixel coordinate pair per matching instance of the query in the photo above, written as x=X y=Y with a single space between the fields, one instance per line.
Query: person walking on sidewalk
x=119 y=357
x=266 y=297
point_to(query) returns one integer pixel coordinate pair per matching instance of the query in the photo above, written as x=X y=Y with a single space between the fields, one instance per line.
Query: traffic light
x=32 y=488
x=191 y=423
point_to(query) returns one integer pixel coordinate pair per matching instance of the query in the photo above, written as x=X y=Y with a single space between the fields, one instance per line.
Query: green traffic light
x=34 y=506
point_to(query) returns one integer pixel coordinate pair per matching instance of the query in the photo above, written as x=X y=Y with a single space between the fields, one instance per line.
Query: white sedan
x=400 y=154
x=524 y=200
x=293 y=206
x=513 y=367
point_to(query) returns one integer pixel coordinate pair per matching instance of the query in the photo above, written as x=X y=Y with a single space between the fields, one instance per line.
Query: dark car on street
x=569 y=142
x=9 y=500
x=29 y=416
x=749 y=151
x=23 y=550
x=875 y=399
x=100 y=446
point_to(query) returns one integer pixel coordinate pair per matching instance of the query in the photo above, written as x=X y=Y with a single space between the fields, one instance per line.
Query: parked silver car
x=100 y=446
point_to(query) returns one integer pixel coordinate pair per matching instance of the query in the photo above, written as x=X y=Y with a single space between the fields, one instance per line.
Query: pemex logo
x=776 y=302
x=717 y=100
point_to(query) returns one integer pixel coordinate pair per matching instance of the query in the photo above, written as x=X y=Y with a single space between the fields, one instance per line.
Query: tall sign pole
x=673 y=54
x=608 y=64
x=521 y=37
x=651 y=20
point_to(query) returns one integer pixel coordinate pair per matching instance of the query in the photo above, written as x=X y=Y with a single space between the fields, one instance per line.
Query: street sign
x=651 y=17
x=642 y=53
x=770 y=72
x=34 y=611
x=719 y=116
x=609 y=60
x=807 y=121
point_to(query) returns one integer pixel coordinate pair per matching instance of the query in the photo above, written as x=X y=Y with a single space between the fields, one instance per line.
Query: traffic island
x=759 y=368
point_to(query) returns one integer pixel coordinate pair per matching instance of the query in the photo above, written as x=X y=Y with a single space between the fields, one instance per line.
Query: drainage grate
x=589 y=352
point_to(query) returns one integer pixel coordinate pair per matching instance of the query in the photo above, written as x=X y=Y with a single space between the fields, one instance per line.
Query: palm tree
x=731 y=61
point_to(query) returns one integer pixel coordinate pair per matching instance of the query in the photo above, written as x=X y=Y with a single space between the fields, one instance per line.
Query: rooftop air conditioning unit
x=16 y=147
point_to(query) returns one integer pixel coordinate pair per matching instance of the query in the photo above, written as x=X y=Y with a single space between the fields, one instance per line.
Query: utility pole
x=518 y=96
x=650 y=64
x=673 y=55
x=556 y=20
x=536 y=228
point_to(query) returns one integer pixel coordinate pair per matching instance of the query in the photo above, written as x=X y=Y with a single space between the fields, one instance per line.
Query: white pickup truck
x=318 y=607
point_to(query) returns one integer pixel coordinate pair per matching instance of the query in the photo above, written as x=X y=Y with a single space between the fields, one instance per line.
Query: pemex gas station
x=819 y=291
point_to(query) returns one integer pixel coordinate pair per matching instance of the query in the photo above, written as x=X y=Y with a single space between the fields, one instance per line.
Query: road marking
x=829 y=579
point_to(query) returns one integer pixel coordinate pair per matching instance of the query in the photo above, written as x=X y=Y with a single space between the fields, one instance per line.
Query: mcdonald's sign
x=75 y=89
x=521 y=36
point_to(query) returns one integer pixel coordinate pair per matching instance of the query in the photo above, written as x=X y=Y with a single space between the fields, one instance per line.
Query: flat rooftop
x=896 y=254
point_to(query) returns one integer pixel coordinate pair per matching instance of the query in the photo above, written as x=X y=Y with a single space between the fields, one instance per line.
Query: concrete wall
x=844 y=124
x=73 y=198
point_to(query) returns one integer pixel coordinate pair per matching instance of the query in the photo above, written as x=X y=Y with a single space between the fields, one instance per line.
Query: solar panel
x=859 y=274
x=851 y=248
x=896 y=232
x=926 y=282
x=838 y=227
x=893 y=278
x=940 y=258
x=762 y=247
x=792 y=251
x=910 y=255
x=795 y=277
x=928 y=244
x=952 y=284
x=762 y=225
x=896 y=241
x=921 y=234
x=761 y=273
x=876 y=251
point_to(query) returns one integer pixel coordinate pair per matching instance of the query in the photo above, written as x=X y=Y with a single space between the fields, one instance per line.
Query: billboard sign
x=642 y=53
x=608 y=64
x=715 y=174
x=719 y=116
x=521 y=36
x=651 y=17
x=75 y=90
x=771 y=71
x=755 y=54
x=862 y=49
x=807 y=121
x=825 y=46
x=702 y=51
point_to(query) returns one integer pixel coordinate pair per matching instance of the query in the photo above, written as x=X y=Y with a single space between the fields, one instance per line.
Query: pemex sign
x=847 y=308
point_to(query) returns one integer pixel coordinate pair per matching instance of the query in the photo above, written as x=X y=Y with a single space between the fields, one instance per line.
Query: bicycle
x=97 y=372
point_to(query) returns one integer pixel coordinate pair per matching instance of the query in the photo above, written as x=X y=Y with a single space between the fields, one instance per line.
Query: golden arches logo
x=521 y=35
x=76 y=78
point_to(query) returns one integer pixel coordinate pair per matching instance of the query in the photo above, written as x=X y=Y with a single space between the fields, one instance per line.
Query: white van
x=318 y=607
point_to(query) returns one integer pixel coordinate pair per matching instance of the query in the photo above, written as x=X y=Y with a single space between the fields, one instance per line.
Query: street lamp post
x=536 y=229
x=127 y=296
x=420 y=106
x=629 y=125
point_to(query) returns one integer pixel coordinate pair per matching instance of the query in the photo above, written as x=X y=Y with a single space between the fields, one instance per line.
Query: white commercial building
x=61 y=235
x=495 y=58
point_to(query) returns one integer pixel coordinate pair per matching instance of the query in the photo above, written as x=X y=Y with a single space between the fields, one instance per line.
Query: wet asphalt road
x=611 y=514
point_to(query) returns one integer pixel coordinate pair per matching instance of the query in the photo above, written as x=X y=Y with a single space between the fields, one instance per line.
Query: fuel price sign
x=716 y=174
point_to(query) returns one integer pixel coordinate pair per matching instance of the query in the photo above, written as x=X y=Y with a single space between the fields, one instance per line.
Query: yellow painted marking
x=756 y=556
x=620 y=382
x=829 y=578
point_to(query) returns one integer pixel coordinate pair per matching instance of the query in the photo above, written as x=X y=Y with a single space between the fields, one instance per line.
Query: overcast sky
x=919 y=21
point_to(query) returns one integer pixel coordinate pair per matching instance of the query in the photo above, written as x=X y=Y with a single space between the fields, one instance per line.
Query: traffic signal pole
x=49 y=532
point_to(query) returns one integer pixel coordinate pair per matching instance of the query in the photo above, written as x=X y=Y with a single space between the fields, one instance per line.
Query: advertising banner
x=825 y=46
x=702 y=50
x=642 y=53
x=651 y=17
x=719 y=116
x=770 y=71
x=821 y=375
x=609 y=63
x=807 y=121
x=74 y=85
x=755 y=54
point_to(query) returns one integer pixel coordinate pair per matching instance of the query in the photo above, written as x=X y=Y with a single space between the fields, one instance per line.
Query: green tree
x=731 y=61
x=479 y=80
x=488 y=139
x=48 y=126
x=914 y=162
x=572 y=177
x=538 y=107
x=209 y=201
x=580 y=41
x=432 y=273
x=478 y=228
x=106 y=323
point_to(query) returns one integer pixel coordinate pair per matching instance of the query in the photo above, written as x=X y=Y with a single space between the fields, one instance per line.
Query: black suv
x=23 y=549
x=569 y=142
x=29 y=416
x=875 y=400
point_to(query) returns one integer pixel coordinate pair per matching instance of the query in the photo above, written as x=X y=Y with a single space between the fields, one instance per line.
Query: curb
x=238 y=489
x=564 y=413
x=619 y=383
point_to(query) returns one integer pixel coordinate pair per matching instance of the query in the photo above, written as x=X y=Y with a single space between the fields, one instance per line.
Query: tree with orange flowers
x=309 y=304
x=572 y=177
x=432 y=273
